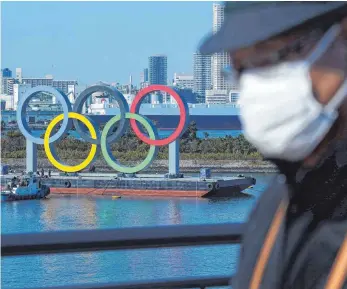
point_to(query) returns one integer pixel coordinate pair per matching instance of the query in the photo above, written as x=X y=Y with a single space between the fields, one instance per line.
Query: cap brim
x=255 y=24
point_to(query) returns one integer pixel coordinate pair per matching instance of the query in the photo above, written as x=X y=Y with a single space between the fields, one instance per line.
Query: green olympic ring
x=111 y=161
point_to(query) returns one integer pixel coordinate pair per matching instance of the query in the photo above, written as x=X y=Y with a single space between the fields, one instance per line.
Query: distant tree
x=14 y=133
x=191 y=132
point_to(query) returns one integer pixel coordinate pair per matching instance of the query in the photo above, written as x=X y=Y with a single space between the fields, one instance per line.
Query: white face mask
x=279 y=112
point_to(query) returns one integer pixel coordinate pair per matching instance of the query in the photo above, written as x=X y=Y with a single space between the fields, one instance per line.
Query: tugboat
x=26 y=187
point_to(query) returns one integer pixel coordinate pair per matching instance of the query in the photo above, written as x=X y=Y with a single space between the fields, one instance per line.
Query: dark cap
x=247 y=23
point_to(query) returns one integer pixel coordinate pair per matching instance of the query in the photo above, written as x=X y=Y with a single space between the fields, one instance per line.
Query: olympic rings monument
x=100 y=142
x=173 y=185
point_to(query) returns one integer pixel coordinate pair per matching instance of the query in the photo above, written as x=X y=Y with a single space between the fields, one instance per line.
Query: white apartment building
x=71 y=93
x=48 y=80
x=144 y=84
x=234 y=95
x=217 y=96
x=7 y=85
x=7 y=101
x=18 y=91
x=183 y=80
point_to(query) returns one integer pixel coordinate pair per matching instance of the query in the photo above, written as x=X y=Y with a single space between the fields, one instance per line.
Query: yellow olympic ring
x=87 y=161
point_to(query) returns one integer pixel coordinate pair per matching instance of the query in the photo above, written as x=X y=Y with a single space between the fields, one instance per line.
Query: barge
x=149 y=185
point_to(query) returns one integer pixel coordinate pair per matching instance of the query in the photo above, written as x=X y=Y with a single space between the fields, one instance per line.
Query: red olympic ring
x=183 y=115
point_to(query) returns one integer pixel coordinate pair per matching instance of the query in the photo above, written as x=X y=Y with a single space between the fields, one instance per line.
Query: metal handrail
x=116 y=239
x=128 y=238
x=197 y=282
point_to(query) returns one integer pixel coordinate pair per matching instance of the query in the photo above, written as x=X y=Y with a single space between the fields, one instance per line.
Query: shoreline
x=161 y=166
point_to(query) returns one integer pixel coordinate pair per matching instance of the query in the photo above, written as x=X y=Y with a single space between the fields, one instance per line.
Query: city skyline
x=52 y=56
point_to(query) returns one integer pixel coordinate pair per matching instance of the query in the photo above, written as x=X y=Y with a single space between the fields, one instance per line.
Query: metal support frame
x=174 y=158
x=31 y=156
x=174 y=283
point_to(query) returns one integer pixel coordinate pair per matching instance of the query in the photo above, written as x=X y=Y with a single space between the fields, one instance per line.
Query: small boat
x=25 y=188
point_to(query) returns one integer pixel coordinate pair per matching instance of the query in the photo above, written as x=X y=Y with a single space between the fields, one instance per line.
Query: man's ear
x=326 y=82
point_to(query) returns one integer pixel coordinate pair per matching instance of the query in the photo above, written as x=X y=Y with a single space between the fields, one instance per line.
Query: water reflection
x=60 y=212
x=174 y=208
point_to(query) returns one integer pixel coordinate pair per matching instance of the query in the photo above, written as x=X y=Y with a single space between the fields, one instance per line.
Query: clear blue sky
x=92 y=41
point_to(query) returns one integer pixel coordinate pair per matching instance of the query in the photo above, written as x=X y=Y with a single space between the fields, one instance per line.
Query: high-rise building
x=144 y=78
x=219 y=60
x=202 y=75
x=19 y=75
x=6 y=81
x=157 y=69
x=2 y=104
x=145 y=75
x=6 y=72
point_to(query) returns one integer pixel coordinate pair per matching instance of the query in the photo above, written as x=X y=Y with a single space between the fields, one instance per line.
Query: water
x=88 y=212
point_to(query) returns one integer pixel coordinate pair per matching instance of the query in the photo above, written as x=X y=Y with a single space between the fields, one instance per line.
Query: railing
x=128 y=238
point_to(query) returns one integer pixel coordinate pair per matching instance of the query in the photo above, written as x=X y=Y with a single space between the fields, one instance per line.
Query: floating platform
x=149 y=185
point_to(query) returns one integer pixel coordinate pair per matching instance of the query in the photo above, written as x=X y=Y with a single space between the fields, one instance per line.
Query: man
x=92 y=168
x=290 y=59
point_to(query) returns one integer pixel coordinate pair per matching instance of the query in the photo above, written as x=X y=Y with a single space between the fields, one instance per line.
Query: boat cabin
x=29 y=184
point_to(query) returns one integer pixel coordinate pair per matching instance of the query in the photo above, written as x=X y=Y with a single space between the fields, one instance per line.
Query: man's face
x=327 y=74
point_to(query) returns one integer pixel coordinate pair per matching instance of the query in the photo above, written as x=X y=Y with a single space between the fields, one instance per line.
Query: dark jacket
x=296 y=230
